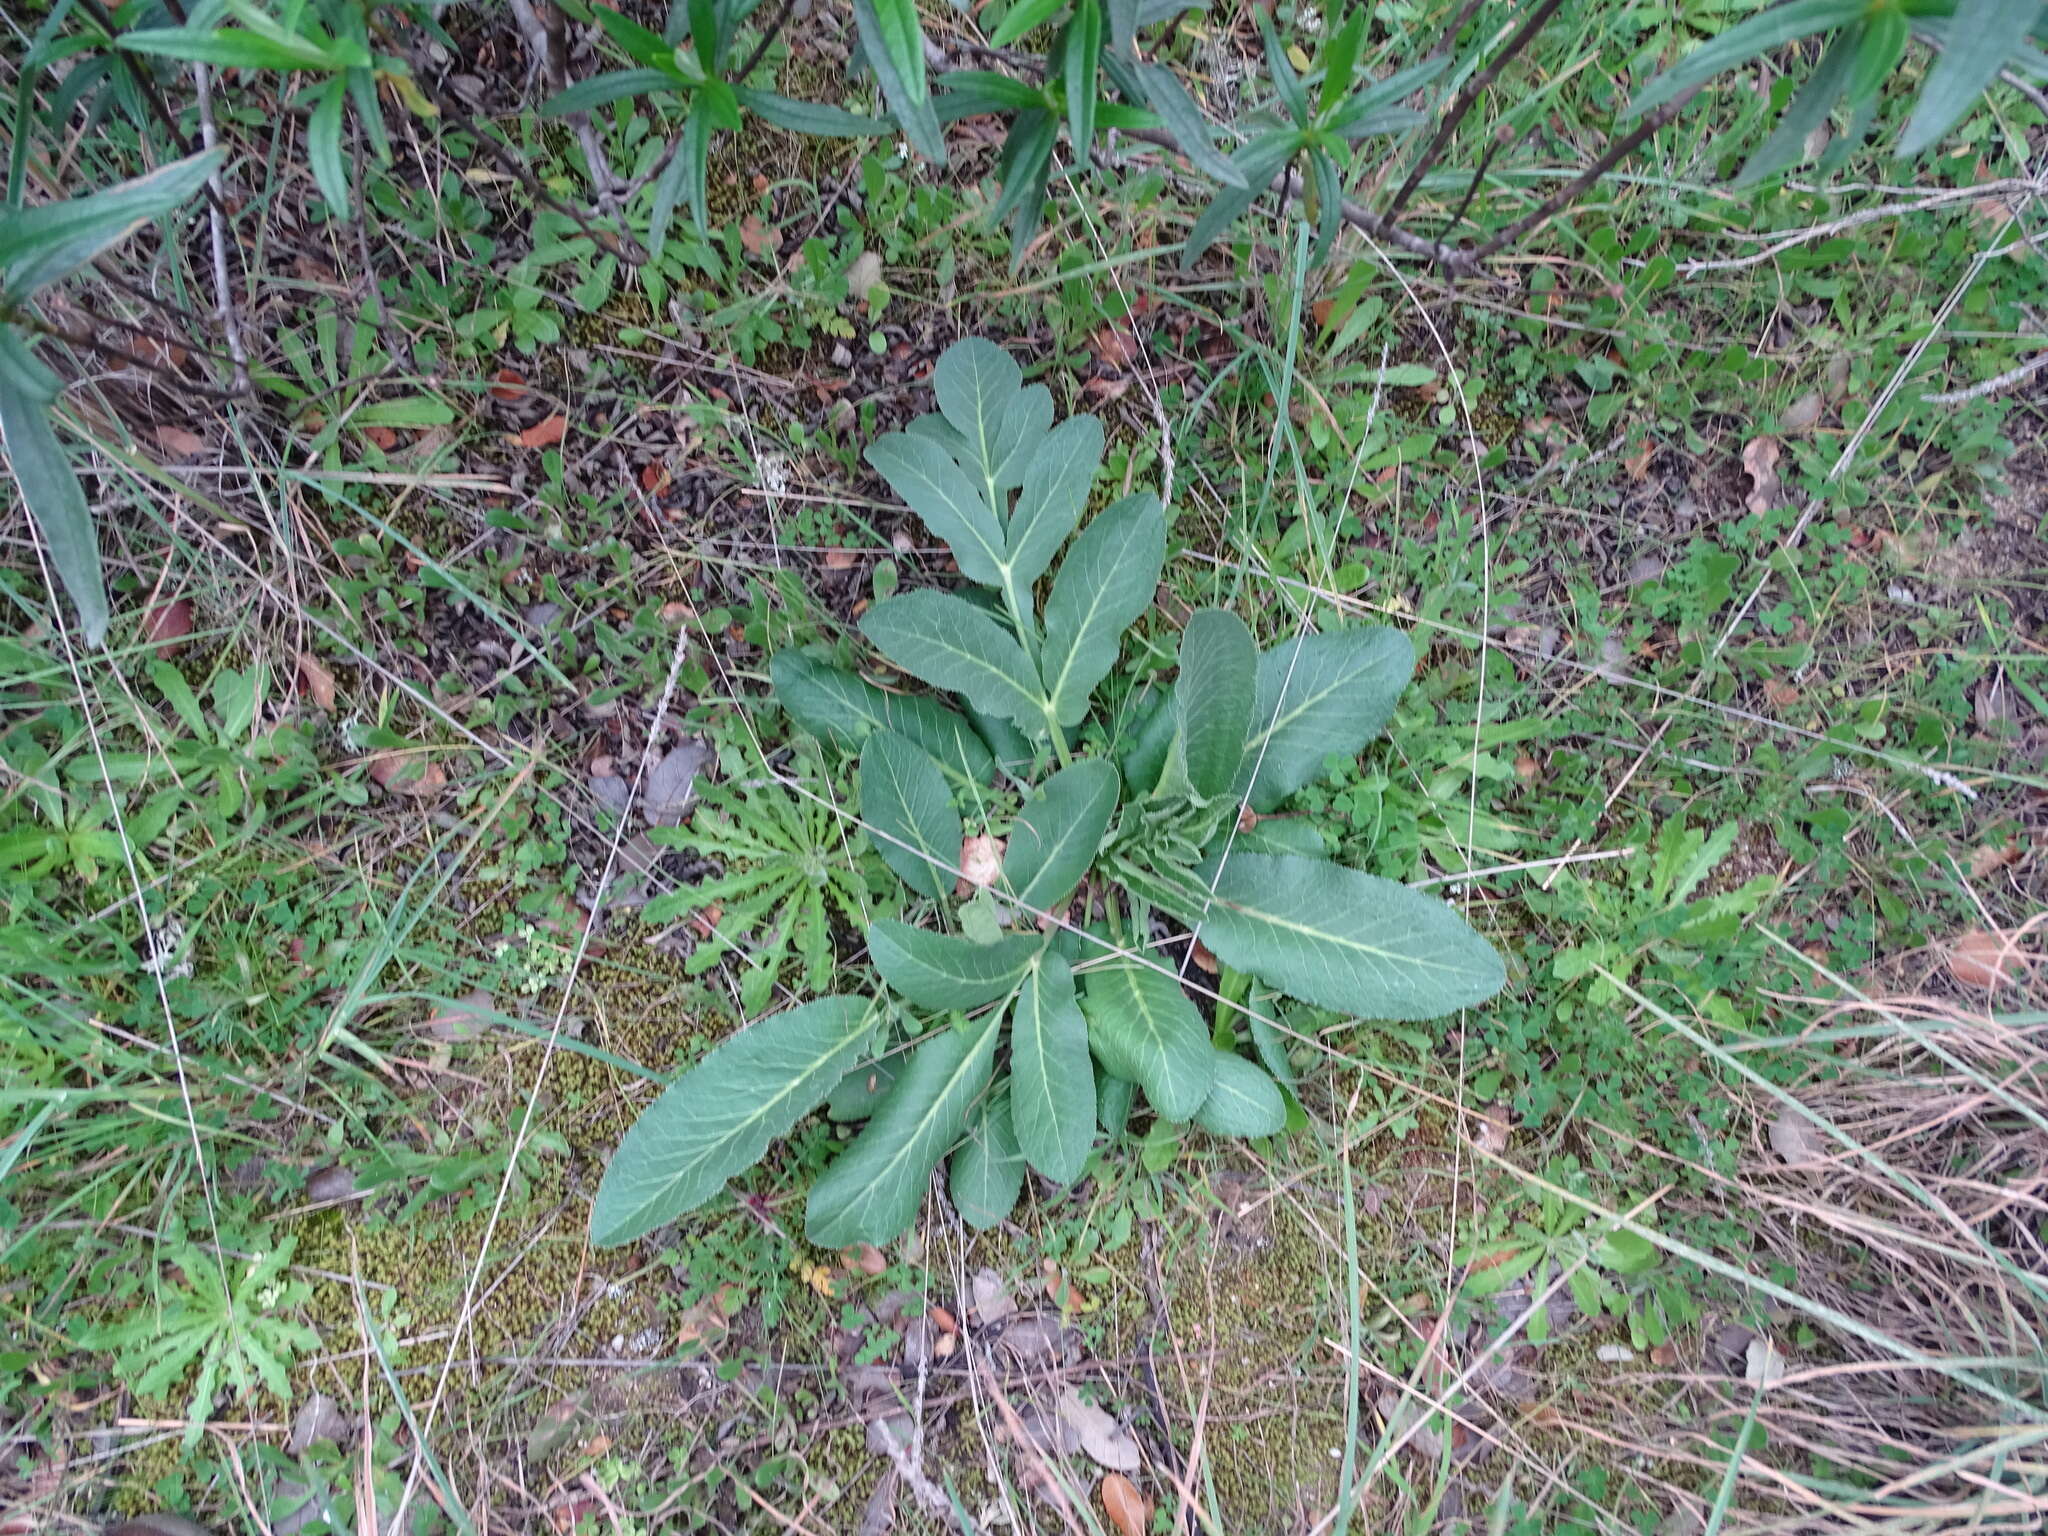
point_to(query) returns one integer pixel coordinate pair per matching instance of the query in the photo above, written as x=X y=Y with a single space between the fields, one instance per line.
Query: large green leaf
x=940 y=491
x=977 y=385
x=838 y=707
x=1243 y=1100
x=720 y=1116
x=1057 y=478
x=39 y=245
x=1981 y=40
x=1106 y=581
x=986 y=1172
x=909 y=814
x=1346 y=940
x=954 y=645
x=49 y=485
x=872 y=1191
x=1772 y=29
x=1142 y=1026
x=1214 y=696
x=1320 y=695
x=1055 y=837
x=894 y=44
x=939 y=970
x=1052 y=1083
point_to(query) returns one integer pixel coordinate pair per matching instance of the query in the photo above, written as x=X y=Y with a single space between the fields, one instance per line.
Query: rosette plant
x=1048 y=1014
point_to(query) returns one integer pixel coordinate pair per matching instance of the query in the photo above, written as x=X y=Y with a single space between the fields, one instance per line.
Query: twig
x=216 y=213
x=2031 y=187
x=135 y=360
x=1289 y=185
x=545 y=31
x=616 y=241
x=767 y=41
x=1610 y=157
x=1992 y=386
x=1463 y=102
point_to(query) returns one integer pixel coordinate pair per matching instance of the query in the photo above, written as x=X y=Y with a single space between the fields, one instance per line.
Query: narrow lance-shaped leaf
x=1214 y=697
x=1980 y=41
x=1184 y=120
x=39 y=245
x=323 y=146
x=894 y=45
x=810 y=117
x=840 y=708
x=986 y=1172
x=719 y=1118
x=1746 y=40
x=1052 y=1084
x=1346 y=940
x=1023 y=17
x=872 y=1191
x=49 y=485
x=601 y=90
x=1142 y=1026
x=909 y=814
x=1106 y=581
x=1807 y=110
x=1055 y=837
x=951 y=644
x=940 y=970
x=1083 y=45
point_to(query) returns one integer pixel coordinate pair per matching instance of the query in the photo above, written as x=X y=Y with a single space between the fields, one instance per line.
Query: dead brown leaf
x=981 y=863
x=755 y=237
x=178 y=441
x=544 y=433
x=1116 y=345
x=1760 y=463
x=1988 y=860
x=1128 y=1510
x=1981 y=959
x=841 y=559
x=1638 y=463
x=168 y=623
x=1802 y=414
x=406 y=773
x=316 y=682
x=508 y=384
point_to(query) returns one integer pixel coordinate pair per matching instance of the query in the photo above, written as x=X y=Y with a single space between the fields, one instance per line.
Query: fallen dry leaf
x=1988 y=860
x=1981 y=959
x=544 y=433
x=167 y=623
x=316 y=682
x=1638 y=463
x=1493 y=1130
x=1780 y=694
x=866 y=1258
x=1128 y=1510
x=176 y=440
x=1796 y=1138
x=406 y=773
x=1116 y=345
x=509 y=384
x=840 y=559
x=1802 y=414
x=981 y=863
x=1760 y=462
x=755 y=237
x=381 y=437
x=1107 y=1442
